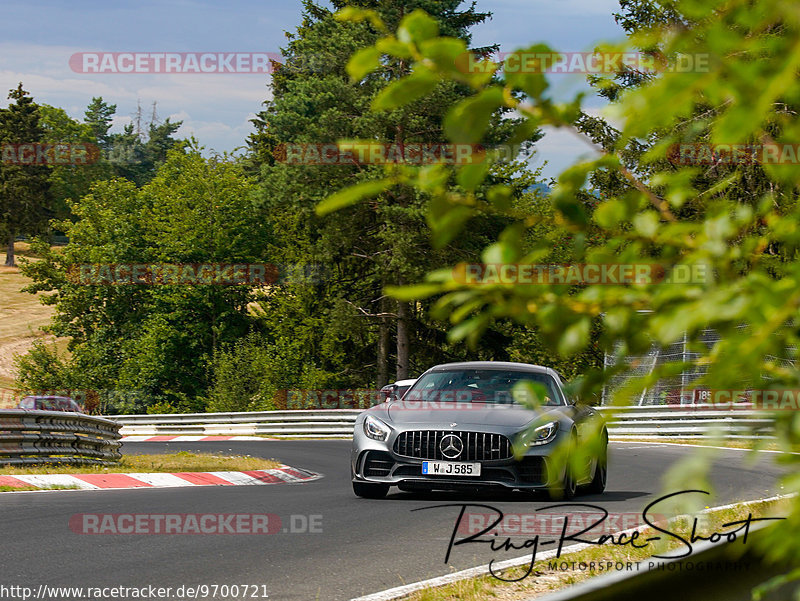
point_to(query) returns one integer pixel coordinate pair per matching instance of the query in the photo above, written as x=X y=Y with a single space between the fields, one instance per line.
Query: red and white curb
x=189 y=438
x=282 y=475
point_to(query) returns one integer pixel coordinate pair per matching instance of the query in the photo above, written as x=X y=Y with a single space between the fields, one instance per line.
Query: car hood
x=485 y=414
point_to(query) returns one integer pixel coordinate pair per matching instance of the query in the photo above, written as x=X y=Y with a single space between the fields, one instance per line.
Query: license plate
x=450 y=468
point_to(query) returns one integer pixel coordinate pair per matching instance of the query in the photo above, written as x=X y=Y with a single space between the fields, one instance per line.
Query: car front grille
x=477 y=446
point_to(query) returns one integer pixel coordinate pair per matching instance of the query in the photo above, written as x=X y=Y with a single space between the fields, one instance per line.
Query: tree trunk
x=10 y=251
x=402 y=307
x=402 y=340
x=383 y=349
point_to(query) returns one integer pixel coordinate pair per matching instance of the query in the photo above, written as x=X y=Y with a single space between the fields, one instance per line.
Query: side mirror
x=387 y=393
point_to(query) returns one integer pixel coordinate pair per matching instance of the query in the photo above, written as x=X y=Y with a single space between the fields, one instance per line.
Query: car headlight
x=375 y=428
x=544 y=434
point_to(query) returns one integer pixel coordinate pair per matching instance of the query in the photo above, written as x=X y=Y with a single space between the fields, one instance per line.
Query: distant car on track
x=49 y=403
x=457 y=427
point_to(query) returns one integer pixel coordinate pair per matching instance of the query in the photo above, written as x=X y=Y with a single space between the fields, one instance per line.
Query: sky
x=37 y=39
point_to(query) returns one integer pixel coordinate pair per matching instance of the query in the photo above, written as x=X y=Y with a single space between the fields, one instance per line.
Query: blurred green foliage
x=736 y=223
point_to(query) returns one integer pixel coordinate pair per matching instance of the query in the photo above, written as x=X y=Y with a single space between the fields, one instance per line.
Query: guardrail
x=300 y=423
x=623 y=422
x=39 y=437
x=658 y=421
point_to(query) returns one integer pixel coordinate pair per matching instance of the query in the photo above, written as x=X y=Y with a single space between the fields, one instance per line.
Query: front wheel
x=566 y=489
x=367 y=490
x=598 y=483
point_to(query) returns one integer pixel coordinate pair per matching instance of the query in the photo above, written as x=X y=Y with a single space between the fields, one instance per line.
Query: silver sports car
x=458 y=428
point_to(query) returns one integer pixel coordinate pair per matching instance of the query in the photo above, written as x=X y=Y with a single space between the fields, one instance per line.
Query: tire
x=568 y=487
x=367 y=490
x=598 y=483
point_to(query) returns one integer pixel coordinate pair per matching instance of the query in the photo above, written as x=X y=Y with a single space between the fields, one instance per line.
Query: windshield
x=482 y=386
x=58 y=405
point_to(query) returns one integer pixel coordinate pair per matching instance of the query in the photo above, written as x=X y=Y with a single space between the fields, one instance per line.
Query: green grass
x=169 y=463
x=24 y=488
x=766 y=445
x=289 y=437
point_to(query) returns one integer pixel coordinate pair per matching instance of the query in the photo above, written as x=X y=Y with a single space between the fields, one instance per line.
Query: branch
x=658 y=202
x=367 y=314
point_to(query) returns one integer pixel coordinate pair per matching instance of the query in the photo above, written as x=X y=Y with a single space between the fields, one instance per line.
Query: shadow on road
x=508 y=496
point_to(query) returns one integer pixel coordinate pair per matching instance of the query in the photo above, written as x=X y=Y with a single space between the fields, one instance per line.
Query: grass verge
x=24 y=488
x=760 y=445
x=543 y=580
x=22 y=316
x=171 y=462
x=280 y=437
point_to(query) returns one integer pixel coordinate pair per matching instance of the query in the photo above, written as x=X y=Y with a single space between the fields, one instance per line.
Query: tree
x=24 y=194
x=98 y=117
x=741 y=248
x=138 y=151
x=70 y=182
x=315 y=103
x=107 y=155
x=137 y=157
x=142 y=343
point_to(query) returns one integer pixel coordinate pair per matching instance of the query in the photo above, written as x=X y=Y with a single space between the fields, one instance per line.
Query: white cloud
x=560 y=148
x=214 y=108
x=225 y=136
x=568 y=8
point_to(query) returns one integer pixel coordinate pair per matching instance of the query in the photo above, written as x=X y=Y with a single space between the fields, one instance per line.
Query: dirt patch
x=22 y=316
x=9 y=350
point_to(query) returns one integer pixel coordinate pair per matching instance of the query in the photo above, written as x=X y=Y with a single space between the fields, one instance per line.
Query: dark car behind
x=49 y=403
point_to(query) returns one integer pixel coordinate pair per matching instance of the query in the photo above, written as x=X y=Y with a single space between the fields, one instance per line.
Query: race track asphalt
x=364 y=546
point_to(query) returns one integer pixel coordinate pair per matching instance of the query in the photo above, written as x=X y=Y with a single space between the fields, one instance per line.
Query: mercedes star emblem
x=451 y=446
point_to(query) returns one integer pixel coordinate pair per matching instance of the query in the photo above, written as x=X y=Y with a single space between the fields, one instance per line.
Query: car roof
x=539 y=369
x=49 y=398
x=405 y=382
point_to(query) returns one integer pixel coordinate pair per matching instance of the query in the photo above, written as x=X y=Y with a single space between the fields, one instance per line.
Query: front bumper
x=377 y=463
